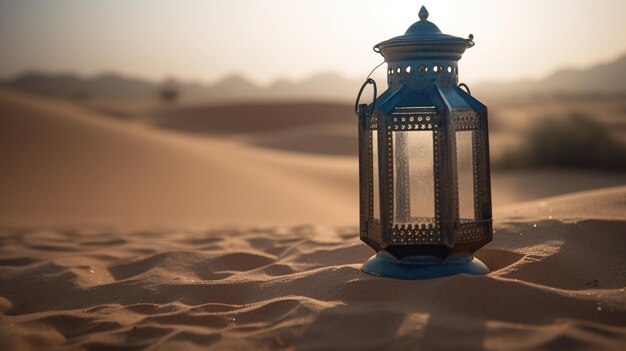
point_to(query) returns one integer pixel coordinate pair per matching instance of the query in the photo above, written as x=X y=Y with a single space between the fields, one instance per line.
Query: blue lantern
x=425 y=194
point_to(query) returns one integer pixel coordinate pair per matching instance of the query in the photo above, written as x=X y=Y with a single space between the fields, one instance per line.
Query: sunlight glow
x=268 y=40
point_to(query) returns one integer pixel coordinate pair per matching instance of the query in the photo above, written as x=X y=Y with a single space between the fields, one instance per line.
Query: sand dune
x=252 y=117
x=555 y=284
x=304 y=127
x=68 y=165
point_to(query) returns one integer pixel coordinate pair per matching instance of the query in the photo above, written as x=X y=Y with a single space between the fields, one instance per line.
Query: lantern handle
x=463 y=85
x=368 y=80
x=358 y=97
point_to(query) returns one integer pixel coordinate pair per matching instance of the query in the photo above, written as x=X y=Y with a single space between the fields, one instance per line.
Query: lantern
x=425 y=196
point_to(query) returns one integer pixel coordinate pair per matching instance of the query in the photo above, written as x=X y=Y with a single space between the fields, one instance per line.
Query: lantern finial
x=423 y=13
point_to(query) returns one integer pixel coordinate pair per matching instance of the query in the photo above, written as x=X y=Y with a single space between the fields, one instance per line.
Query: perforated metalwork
x=470 y=231
x=437 y=176
x=412 y=234
x=390 y=173
x=465 y=120
x=370 y=172
x=478 y=174
x=373 y=122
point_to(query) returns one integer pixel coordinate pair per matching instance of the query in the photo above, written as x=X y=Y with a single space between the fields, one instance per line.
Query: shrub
x=576 y=141
x=168 y=94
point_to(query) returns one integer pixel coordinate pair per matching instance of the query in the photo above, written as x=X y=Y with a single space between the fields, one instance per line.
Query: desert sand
x=69 y=166
x=117 y=235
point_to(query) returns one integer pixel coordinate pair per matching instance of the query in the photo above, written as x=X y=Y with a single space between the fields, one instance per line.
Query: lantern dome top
x=424 y=40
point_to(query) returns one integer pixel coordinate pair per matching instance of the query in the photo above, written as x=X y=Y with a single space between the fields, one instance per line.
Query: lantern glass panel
x=465 y=173
x=375 y=185
x=414 y=195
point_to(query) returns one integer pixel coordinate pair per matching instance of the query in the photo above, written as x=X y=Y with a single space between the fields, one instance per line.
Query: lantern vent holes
x=423 y=70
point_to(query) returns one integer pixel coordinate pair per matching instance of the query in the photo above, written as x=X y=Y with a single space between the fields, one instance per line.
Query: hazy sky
x=266 y=40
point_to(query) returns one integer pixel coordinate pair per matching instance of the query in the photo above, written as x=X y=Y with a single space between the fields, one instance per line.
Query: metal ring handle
x=463 y=85
x=358 y=97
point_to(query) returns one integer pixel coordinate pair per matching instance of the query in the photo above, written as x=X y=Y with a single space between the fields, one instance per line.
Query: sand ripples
x=301 y=287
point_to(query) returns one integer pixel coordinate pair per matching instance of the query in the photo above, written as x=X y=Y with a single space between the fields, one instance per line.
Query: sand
x=555 y=284
x=118 y=236
x=71 y=166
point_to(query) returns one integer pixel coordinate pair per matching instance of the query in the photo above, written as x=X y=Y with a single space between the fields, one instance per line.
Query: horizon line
x=251 y=81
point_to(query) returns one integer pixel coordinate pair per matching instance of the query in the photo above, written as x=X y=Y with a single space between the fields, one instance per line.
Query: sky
x=205 y=41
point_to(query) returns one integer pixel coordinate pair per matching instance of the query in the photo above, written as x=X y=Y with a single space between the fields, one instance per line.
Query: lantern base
x=384 y=264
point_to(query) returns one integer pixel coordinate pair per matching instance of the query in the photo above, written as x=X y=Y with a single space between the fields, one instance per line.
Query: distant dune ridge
x=328 y=86
x=599 y=80
x=602 y=79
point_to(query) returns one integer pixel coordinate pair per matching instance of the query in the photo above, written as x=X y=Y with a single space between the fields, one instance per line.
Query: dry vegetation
x=575 y=140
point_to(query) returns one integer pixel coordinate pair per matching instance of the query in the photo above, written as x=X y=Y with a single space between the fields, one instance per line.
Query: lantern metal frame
x=423 y=96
